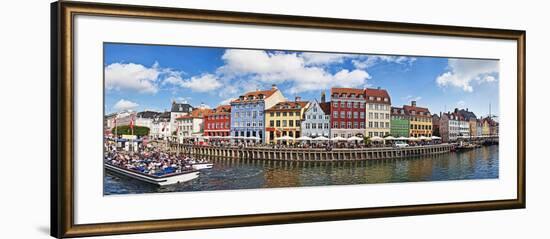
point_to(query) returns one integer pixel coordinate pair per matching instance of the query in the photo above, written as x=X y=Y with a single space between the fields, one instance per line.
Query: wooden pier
x=316 y=155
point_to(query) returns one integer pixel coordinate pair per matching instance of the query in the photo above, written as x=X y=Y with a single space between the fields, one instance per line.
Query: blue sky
x=141 y=77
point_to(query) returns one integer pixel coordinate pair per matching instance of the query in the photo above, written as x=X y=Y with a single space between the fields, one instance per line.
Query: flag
x=132 y=123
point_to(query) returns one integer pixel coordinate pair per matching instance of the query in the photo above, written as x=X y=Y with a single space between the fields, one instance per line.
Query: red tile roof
x=196 y=113
x=409 y=109
x=325 y=107
x=256 y=95
x=382 y=93
x=288 y=106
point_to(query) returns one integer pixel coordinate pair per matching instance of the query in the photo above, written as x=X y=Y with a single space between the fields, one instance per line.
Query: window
x=371 y=106
x=349 y=125
x=290 y=113
x=313 y=125
x=297 y=122
x=278 y=114
x=370 y=115
x=342 y=125
x=320 y=125
x=387 y=116
x=308 y=117
x=284 y=113
x=335 y=114
x=291 y=123
x=349 y=105
x=307 y=125
x=370 y=124
x=271 y=123
x=375 y=124
x=315 y=109
x=342 y=114
x=335 y=104
x=314 y=116
x=362 y=125
x=375 y=115
x=278 y=123
x=387 y=125
x=326 y=126
x=362 y=115
x=355 y=115
x=362 y=106
x=355 y=125
x=284 y=123
x=335 y=125
x=349 y=114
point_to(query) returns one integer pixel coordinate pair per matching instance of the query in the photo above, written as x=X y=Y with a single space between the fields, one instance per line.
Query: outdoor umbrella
x=321 y=138
x=436 y=137
x=376 y=138
x=304 y=138
x=403 y=138
x=355 y=138
x=424 y=138
x=389 y=138
x=338 y=138
x=286 y=137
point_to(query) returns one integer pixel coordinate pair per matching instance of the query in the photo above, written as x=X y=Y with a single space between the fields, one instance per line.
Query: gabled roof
x=409 y=109
x=196 y=113
x=346 y=91
x=181 y=107
x=325 y=107
x=289 y=106
x=221 y=110
x=467 y=114
x=255 y=95
x=399 y=109
x=148 y=114
x=382 y=93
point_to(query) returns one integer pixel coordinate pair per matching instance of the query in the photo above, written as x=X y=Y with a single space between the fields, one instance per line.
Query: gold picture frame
x=62 y=118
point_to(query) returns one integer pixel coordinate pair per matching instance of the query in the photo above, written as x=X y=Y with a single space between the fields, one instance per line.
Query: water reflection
x=227 y=174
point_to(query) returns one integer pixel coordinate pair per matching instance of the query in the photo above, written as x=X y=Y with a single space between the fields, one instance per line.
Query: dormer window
x=371 y=98
x=385 y=99
x=378 y=98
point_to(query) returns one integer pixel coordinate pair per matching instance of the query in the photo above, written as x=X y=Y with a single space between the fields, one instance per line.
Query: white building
x=316 y=121
x=378 y=111
x=464 y=128
x=178 y=110
x=191 y=124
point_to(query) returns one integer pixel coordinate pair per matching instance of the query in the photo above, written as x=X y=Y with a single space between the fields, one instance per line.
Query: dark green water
x=480 y=163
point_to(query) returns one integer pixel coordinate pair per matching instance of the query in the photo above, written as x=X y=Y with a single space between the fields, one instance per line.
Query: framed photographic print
x=172 y=119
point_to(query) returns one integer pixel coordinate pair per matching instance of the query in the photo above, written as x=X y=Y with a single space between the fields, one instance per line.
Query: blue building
x=247 y=112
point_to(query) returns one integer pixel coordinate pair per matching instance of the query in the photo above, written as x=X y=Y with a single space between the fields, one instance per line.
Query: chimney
x=413 y=103
x=323 y=97
x=297 y=98
x=378 y=88
x=467 y=109
x=273 y=87
x=456 y=110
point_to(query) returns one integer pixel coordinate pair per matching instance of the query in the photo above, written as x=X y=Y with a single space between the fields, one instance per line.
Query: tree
x=138 y=130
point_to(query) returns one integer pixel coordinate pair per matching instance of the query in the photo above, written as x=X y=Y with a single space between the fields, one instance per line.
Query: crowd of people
x=149 y=160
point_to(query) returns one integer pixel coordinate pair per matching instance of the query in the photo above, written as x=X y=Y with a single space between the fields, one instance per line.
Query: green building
x=399 y=122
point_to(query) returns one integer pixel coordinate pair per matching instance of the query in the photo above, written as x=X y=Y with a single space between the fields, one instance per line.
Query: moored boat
x=199 y=166
x=160 y=180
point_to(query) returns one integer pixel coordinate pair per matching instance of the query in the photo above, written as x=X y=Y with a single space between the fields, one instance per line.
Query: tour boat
x=160 y=180
x=198 y=166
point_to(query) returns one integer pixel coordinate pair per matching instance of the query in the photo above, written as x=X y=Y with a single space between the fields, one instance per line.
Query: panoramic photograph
x=192 y=118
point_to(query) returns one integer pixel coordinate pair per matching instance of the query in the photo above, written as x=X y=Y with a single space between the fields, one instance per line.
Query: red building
x=217 y=122
x=347 y=112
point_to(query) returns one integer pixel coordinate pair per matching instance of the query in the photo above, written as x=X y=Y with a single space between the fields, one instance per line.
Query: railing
x=310 y=154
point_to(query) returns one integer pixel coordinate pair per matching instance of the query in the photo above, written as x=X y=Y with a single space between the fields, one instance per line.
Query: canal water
x=479 y=163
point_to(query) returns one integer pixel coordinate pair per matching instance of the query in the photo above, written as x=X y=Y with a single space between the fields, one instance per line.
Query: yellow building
x=284 y=119
x=420 y=120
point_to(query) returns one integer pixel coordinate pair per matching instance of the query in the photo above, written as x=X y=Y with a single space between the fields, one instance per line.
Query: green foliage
x=125 y=129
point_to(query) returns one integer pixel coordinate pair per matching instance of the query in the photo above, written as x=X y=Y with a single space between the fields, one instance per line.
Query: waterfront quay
x=309 y=154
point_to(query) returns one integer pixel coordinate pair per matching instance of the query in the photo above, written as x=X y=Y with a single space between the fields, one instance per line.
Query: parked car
x=401 y=144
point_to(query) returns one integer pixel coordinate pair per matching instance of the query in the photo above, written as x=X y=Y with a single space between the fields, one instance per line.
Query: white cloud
x=462 y=72
x=461 y=104
x=371 y=60
x=123 y=105
x=313 y=58
x=130 y=76
x=280 y=67
x=203 y=83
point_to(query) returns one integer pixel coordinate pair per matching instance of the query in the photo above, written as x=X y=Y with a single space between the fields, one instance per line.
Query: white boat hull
x=160 y=181
x=199 y=166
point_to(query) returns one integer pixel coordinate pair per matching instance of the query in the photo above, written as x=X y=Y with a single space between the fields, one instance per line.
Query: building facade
x=377 y=111
x=177 y=110
x=316 y=120
x=420 y=120
x=347 y=109
x=191 y=124
x=284 y=119
x=399 y=125
x=448 y=127
x=216 y=123
x=247 y=112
